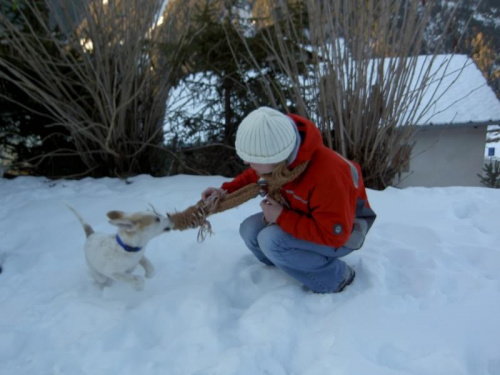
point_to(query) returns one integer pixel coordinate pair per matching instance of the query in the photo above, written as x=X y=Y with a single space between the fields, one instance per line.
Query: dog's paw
x=138 y=282
x=150 y=272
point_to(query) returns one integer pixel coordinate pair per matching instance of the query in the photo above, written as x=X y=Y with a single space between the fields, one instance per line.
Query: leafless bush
x=358 y=76
x=99 y=77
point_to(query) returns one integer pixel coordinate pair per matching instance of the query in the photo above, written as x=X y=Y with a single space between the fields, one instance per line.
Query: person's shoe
x=349 y=277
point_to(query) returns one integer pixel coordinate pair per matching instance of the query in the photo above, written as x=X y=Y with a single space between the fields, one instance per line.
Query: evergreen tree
x=491 y=175
x=216 y=70
x=28 y=137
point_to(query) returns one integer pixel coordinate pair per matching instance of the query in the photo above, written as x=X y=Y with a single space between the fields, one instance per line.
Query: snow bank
x=426 y=299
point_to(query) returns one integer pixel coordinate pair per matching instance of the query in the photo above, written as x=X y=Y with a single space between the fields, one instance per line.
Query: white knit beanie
x=265 y=136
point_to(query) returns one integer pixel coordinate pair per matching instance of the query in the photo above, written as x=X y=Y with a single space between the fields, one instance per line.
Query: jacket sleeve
x=245 y=178
x=332 y=204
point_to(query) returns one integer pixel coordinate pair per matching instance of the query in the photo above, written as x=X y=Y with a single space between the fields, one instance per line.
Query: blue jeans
x=316 y=266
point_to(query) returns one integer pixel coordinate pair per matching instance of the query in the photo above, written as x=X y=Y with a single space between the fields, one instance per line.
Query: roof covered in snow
x=457 y=94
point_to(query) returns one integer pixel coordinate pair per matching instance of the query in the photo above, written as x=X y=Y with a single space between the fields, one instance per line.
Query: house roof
x=457 y=95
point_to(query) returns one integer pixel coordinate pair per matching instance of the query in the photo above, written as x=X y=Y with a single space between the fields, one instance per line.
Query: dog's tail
x=86 y=227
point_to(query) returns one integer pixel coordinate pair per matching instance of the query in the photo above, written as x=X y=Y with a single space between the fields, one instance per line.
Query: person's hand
x=208 y=192
x=271 y=209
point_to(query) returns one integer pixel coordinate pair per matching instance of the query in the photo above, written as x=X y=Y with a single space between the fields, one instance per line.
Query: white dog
x=115 y=256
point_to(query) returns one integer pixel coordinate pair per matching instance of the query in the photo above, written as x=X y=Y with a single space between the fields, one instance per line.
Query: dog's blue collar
x=126 y=247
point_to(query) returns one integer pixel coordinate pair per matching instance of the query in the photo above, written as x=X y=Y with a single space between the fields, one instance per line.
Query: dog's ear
x=119 y=219
x=123 y=224
x=116 y=215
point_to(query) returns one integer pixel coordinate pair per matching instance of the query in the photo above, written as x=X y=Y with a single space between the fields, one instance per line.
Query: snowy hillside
x=426 y=299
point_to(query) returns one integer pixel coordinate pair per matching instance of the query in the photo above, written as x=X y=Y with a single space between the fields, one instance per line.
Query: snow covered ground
x=426 y=299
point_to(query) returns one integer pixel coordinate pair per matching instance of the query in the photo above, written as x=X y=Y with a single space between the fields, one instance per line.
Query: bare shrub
x=95 y=71
x=358 y=76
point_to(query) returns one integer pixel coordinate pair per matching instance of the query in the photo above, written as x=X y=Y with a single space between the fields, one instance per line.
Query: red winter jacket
x=322 y=200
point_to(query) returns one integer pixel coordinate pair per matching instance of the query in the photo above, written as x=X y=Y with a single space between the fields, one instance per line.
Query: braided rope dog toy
x=270 y=184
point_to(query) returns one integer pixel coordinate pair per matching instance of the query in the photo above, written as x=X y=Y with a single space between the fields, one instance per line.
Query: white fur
x=107 y=260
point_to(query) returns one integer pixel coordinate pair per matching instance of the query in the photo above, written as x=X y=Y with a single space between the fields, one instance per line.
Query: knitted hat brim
x=271 y=159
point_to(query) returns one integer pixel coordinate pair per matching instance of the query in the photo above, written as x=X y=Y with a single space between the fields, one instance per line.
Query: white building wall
x=446 y=156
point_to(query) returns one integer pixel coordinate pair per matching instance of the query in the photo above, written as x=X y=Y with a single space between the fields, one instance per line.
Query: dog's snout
x=167 y=229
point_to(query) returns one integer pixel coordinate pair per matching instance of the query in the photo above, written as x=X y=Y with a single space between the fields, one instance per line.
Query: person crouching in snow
x=325 y=213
